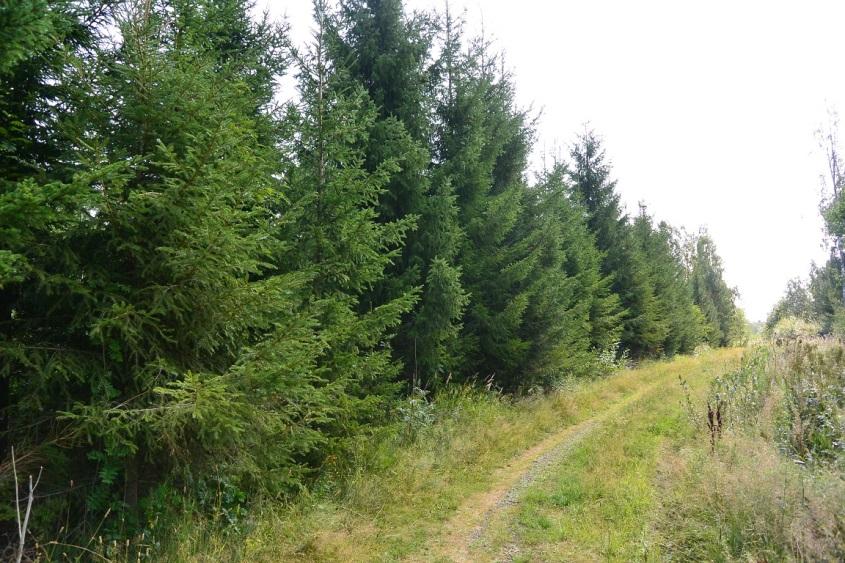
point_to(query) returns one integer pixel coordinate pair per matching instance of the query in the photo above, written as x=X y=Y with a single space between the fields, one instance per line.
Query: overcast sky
x=707 y=109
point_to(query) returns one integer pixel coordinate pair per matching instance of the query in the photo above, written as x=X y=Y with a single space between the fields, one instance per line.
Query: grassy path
x=595 y=502
x=473 y=519
x=565 y=476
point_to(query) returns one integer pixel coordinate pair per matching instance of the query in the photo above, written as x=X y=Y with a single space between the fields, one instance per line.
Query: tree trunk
x=840 y=246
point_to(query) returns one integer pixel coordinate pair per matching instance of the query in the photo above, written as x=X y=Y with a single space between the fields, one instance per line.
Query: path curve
x=470 y=522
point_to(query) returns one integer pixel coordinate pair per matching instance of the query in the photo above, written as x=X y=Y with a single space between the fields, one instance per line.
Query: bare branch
x=23 y=525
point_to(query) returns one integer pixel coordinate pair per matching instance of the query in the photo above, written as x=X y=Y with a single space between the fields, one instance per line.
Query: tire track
x=466 y=529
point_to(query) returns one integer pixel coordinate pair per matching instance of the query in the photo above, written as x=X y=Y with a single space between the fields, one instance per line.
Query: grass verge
x=773 y=487
x=400 y=490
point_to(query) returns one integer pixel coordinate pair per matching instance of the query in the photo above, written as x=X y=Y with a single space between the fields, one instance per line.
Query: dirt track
x=467 y=528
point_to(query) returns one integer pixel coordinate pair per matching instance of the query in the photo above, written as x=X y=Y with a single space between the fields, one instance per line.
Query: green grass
x=648 y=485
x=766 y=493
x=399 y=494
x=596 y=504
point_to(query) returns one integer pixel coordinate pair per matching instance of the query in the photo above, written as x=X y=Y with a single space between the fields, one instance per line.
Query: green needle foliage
x=335 y=232
x=624 y=261
x=389 y=54
x=481 y=146
x=681 y=321
x=209 y=294
x=712 y=295
x=572 y=313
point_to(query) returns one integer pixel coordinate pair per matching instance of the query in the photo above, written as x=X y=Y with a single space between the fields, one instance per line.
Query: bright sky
x=708 y=110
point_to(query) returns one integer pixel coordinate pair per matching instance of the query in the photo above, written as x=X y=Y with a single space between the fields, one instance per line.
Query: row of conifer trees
x=199 y=277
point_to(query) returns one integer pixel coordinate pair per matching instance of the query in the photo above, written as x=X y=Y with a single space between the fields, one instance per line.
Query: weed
x=771 y=488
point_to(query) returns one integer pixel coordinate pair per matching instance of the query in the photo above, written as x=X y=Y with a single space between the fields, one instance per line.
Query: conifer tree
x=481 y=145
x=642 y=331
x=40 y=43
x=241 y=43
x=388 y=53
x=334 y=222
x=664 y=258
x=152 y=334
x=711 y=293
x=202 y=289
x=572 y=313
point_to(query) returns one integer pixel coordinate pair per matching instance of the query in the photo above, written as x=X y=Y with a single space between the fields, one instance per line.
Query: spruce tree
x=572 y=314
x=41 y=41
x=152 y=333
x=204 y=290
x=676 y=310
x=481 y=145
x=333 y=231
x=623 y=261
x=388 y=53
x=711 y=293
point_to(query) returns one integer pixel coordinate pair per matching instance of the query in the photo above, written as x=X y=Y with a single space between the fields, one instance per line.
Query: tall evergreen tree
x=41 y=43
x=712 y=294
x=199 y=290
x=680 y=319
x=388 y=53
x=572 y=314
x=481 y=146
x=140 y=302
x=334 y=223
x=623 y=261
x=170 y=322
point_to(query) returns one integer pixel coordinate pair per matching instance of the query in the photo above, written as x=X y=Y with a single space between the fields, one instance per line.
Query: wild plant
x=738 y=397
x=416 y=412
x=812 y=423
x=773 y=489
x=612 y=359
x=701 y=349
x=735 y=399
x=714 y=423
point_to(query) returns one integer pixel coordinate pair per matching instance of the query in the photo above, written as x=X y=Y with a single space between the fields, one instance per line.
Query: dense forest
x=207 y=284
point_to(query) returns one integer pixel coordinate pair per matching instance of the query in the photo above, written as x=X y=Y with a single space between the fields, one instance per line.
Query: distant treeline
x=203 y=286
x=816 y=306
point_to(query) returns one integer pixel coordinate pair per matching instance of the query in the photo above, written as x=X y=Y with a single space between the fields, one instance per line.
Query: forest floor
x=571 y=476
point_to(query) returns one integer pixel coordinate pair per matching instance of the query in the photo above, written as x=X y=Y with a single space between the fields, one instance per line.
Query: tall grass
x=772 y=488
x=398 y=489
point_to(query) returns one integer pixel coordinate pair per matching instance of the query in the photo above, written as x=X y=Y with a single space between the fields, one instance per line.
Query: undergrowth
x=397 y=490
x=765 y=481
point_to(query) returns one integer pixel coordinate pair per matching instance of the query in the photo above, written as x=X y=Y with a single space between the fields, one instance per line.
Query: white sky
x=708 y=110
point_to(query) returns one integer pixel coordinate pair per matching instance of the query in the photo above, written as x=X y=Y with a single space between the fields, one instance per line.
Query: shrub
x=791 y=328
